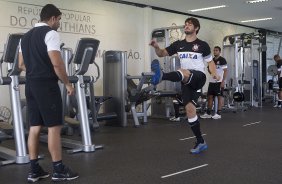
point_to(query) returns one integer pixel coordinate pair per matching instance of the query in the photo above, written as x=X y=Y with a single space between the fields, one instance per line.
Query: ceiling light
x=257 y=1
x=208 y=8
x=255 y=20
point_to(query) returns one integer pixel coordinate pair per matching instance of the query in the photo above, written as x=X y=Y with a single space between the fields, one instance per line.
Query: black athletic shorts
x=189 y=90
x=280 y=83
x=215 y=89
x=44 y=102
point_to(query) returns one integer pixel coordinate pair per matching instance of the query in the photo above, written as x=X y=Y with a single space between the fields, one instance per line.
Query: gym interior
x=118 y=127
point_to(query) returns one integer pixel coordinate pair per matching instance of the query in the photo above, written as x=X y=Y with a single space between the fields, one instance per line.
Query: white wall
x=117 y=26
x=211 y=31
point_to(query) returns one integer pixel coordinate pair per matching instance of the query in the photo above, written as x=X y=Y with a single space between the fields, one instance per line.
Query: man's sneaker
x=199 y=147
x=277 y=106
x=35 y=176
x=174 y=119
x=156 y=68
x=216 y=116
x=206 y=116
x=65 y=174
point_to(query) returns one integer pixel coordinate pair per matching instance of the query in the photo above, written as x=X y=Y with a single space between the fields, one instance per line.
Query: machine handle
x=5 y=80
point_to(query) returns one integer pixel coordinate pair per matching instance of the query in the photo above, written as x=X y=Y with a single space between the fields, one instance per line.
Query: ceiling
x=236 y=10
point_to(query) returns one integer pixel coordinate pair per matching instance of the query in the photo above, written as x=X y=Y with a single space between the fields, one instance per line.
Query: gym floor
x=244 y=147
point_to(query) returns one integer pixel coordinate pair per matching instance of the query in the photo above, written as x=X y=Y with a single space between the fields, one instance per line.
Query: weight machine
x=19 y=155
x=243 y=53
x=162 y=106
x=125 y=92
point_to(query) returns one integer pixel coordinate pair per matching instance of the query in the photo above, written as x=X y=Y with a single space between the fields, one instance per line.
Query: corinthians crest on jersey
x=195 y=47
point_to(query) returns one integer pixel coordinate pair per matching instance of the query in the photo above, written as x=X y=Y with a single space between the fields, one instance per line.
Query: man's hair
x=276 y=56
x=195 y=22
x=218 y=47
x=48 y=11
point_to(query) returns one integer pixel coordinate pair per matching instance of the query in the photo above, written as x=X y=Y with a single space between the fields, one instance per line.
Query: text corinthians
x=71 y=22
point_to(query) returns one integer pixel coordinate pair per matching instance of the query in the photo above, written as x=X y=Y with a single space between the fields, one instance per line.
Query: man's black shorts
x=215 y=89
x=44 y=102
x=189 y=90
x=280 y=83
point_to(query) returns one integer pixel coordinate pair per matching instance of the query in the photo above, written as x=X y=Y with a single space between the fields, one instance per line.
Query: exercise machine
x=243 y=53
x=126 y=91
x=6 y=129
x=19 y=155
x=93 y=102
x=162 y=106
x=137 y=94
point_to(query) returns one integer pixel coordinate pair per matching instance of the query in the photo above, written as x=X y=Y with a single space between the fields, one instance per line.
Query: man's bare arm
x=60 y=70
x=59 y=67
x=224 y=77
x=212 y=69
x=21 y=62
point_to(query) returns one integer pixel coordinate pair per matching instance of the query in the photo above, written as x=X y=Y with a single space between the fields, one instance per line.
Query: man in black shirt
x=192 y=52
x=278 y=61
x=216 y=87
x=40 y=57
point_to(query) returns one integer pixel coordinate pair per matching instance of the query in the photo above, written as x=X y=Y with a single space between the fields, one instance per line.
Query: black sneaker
x=65 y=174
x=35 y=176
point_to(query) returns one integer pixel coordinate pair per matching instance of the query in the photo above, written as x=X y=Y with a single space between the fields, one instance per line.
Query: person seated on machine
x=278 y=61
x=216 y=87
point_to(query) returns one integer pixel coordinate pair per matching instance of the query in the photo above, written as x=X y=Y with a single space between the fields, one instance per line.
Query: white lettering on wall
x=25 y=16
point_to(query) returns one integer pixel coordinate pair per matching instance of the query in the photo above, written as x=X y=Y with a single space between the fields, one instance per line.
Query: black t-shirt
x=279 y=67
x=219 y=61
x=192 y=55
x=279 y=63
